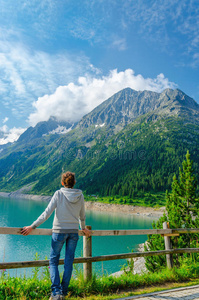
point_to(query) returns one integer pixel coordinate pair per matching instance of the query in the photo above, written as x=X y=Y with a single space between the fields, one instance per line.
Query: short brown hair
x=68 y=179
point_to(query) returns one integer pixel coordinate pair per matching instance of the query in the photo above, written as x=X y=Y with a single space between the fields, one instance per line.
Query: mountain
x=134 y=141
x=52 y=126
x=127 y=105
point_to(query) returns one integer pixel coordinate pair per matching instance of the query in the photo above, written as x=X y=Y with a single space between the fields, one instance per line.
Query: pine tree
x=182 y=208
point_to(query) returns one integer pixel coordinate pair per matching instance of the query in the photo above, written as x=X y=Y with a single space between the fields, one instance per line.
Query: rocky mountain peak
x=128 y=104
x=179 y=98
x=43 y=128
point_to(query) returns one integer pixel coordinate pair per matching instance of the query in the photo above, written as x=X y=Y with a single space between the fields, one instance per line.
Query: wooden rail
x=80 y=260
x=42 y=231
x=87 y=247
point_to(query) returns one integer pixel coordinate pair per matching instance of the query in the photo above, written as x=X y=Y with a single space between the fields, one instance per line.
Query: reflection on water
x=19 y=213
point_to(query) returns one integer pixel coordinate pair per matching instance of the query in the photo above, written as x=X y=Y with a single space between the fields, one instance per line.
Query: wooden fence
x=87 y=258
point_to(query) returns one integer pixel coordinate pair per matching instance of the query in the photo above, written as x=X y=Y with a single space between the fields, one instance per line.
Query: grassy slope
x=106 y=287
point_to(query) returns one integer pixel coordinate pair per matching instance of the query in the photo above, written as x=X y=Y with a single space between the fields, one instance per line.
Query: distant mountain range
x=132 y=141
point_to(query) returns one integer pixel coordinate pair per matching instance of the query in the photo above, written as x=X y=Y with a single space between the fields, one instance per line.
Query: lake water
x=19 y=213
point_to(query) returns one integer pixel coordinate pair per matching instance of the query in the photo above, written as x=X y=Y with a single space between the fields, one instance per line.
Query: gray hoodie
x=69 y=210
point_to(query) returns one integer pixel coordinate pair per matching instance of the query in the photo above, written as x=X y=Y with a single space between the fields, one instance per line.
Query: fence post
x=168 y=246
x=87 y=252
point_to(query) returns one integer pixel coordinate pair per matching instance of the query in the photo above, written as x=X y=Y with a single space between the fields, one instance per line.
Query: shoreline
x=125 y=209
x=139 y=211
x=94 y=206
x=19 y=195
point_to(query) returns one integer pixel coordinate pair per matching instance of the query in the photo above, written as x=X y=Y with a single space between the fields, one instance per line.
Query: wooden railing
x=87 y=258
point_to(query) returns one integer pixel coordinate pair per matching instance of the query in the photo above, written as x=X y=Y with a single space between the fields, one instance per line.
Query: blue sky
x=64 y=57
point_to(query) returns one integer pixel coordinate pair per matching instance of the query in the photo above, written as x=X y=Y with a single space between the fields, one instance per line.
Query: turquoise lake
x=19 y=213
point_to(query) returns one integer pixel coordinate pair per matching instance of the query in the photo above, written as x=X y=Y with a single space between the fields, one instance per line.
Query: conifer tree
x=182 y=208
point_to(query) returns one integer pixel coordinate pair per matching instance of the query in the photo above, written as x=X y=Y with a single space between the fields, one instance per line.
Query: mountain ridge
x=136 y=108
x=42 y=128
x=140 y=138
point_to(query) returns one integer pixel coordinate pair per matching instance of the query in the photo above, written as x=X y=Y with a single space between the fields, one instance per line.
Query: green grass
x=106 y=287
x=141 y=199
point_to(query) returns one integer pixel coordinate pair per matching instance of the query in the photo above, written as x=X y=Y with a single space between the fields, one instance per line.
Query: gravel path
x=187 y=293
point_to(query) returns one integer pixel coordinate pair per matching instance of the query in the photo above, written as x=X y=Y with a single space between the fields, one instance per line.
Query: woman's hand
x=26 y=230
x=86 y=232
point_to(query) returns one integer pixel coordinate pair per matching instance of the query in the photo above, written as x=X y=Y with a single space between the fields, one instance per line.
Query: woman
x=68 y=204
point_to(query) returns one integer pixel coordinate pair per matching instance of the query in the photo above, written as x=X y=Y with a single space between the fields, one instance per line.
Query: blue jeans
x=58 y=240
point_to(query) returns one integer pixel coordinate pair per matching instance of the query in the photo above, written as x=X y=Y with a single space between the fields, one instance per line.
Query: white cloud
x=195 y=62
x=78 y=29
x=120 y=44
x=5 y=120
x=10 y=135
x=59 y=130
x=171 y=24
x=4 y=129
x=27 y=74
x=72 y=101
x=167 y=24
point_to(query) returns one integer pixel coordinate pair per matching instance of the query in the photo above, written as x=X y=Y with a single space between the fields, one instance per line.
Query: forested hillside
x=134 y=141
